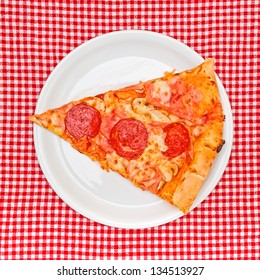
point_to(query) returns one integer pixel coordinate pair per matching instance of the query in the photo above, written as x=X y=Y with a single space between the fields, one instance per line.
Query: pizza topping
x=168 y=169
x=101 y=96
x=154 y=97
x=141 y=106
x=129 y=138
x=146 y=174
x=177 y=139
x=110 y=119
x=158 y=93
x=184 y=98
x=162 y=91
x=103 y=143
x=96 y=103
x=175 y=96
x=81 y=120
x=152 y=182
x=125 y=94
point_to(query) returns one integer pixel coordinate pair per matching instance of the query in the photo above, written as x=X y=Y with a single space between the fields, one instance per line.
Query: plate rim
x=47 y=174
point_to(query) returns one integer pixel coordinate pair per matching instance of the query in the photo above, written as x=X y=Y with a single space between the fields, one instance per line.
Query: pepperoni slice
x=81 y=120
x=128 y=138
x=177 y=139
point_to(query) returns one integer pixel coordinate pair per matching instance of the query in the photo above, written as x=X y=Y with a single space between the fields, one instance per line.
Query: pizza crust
x=205 y=151
x=187 y=190
x=206 y=145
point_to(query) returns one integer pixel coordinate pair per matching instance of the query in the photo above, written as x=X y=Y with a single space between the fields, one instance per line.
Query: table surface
x=34 y=222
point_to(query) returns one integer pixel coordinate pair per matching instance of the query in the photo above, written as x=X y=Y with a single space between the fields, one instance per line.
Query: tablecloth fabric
x=34 y=222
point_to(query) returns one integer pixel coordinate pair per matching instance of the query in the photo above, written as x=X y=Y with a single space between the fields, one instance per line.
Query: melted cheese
x=97 y=103
x=162 y=91
x=140 y=106
x=162 y=167
x=151 y=169
x=117 y=163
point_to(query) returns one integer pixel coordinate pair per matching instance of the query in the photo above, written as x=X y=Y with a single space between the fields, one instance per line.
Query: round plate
x=107 y=62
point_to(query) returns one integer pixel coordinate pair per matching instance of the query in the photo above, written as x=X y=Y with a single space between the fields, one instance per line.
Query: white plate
x=108 y=62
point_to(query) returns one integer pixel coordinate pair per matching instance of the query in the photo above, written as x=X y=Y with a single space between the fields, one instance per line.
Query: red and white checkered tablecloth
x=34 y=222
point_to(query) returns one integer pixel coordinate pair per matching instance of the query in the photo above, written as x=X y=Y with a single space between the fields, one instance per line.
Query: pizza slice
x=162 y=135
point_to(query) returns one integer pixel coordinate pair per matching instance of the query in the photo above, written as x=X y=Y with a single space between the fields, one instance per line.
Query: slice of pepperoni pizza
x=163 y=134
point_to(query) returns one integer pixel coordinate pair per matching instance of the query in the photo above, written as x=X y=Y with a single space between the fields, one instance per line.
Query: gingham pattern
x=34 y=222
